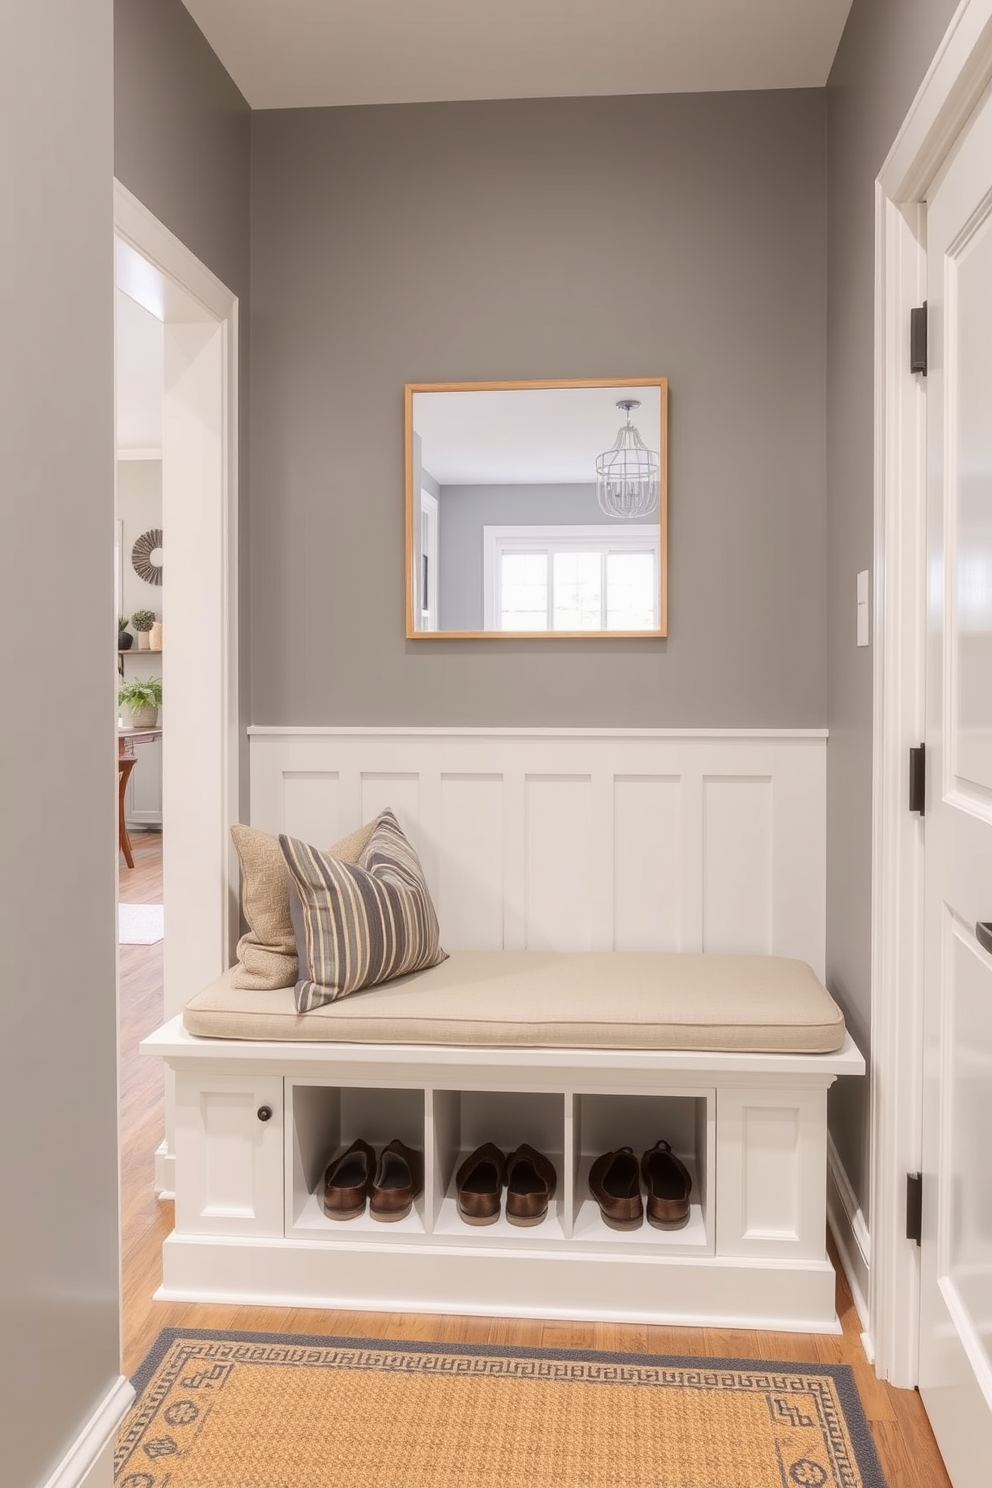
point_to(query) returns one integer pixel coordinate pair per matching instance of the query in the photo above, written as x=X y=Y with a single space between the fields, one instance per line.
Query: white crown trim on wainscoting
x=89 y=1462
x=263 y=730
x=578 y=839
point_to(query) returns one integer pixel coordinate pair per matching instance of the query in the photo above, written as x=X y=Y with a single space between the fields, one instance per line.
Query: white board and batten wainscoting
x=534 y=839
x=576 y=840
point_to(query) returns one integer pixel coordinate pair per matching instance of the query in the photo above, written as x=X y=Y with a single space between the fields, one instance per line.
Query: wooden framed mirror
x=537 y=509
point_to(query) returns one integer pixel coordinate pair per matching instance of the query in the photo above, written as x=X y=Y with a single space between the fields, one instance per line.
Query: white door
x=956 y=1302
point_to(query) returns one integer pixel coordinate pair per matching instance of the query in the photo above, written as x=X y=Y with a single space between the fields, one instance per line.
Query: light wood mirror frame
x=638 y=387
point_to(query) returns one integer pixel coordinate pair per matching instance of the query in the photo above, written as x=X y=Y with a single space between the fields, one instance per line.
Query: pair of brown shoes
x=615 y=1183
x=527 y=1175
x=390 y=1184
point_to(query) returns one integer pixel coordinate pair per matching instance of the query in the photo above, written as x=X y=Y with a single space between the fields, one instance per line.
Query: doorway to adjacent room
x=165 y=291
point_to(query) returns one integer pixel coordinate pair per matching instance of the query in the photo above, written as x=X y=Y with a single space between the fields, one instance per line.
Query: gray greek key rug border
x=791 y=1378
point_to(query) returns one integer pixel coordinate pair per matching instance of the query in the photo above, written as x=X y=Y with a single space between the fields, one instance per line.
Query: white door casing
x=429 y=548
x=200 y=781
x=956 y=80
x=956 y=1280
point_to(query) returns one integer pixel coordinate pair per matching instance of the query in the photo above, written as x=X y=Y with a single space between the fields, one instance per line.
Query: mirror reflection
x=536 y=509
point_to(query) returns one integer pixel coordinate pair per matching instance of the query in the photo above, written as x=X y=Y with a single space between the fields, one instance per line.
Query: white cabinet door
x=771 y=1175
x=143 y=797
x=229 y=1154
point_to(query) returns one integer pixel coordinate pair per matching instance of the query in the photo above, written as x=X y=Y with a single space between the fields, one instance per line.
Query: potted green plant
x=124 y=636
x=143 y=620
x=141 y=699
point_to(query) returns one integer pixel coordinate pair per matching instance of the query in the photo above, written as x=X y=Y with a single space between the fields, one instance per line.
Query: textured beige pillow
x=267 y=953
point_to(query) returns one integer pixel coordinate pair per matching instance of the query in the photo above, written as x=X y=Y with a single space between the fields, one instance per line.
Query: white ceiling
x=531 y=436
x=140 y=375
x=311 y=53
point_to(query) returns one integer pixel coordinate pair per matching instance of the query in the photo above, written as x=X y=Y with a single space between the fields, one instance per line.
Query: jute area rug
x=260 y=1410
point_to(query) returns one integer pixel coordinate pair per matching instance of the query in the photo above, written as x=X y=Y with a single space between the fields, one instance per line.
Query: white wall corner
x=847 y=1225
x=89 y=1462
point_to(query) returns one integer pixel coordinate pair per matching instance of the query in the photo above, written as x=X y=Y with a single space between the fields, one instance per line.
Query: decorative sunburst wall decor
x=141 y=556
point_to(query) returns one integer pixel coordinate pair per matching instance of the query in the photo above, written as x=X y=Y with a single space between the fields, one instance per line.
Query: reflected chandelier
x=627 y=475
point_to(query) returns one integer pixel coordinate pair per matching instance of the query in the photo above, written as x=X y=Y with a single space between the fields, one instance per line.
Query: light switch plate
x=863 y=607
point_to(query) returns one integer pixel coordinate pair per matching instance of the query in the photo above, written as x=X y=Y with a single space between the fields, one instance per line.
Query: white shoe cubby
x=323 y=1121
x=463 y=1120
x=604 y=1123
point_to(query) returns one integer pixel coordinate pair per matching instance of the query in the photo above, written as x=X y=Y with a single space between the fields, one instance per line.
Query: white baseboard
x=101 y=1474
x=847 y=1225
x=165 y=1172
x=89 y=1462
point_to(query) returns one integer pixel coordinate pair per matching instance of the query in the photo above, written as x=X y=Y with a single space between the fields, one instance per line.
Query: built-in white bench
x=566 y=1051
x=589 y=841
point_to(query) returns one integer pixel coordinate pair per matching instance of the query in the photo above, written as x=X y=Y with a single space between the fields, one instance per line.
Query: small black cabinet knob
x=265 y=1113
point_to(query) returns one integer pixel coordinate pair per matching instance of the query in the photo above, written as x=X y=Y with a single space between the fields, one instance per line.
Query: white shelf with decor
x=143 y=792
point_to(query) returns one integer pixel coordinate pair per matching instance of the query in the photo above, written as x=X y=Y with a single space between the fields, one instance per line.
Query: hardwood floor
x=899 y=1425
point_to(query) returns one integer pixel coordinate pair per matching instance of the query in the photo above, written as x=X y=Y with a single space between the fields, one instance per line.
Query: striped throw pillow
x=358 y=924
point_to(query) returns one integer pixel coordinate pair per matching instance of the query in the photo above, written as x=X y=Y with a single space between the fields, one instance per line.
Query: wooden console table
x=128 y=737
x=126 y=760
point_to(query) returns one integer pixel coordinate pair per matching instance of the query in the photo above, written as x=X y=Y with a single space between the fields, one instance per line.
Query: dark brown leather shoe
x=669 y=1186
x=480 y=1181
x=347 y=1182
x=530 y=1186
x=399 y=1179
x=615 y=1185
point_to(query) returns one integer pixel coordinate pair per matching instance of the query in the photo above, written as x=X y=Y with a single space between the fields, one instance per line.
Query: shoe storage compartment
x=606 y=1122
x=466 y=1119
x=447 y=1125
x=321 y=1122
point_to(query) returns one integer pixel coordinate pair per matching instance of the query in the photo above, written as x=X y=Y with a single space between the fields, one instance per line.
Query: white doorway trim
x=958 y=76
x=200 y=785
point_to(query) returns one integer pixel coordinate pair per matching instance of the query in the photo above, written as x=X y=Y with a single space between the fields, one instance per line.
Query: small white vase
x=143 y=642
x=155 y=637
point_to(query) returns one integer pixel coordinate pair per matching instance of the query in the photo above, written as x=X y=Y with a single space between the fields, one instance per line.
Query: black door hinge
x=918 y=779
x=918 y=339
x=914 y=1207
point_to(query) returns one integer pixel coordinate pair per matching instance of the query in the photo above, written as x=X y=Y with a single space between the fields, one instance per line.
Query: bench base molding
x=710 y=1291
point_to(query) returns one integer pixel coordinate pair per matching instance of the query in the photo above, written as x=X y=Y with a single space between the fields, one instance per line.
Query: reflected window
x=571 y=579
x=523 y=591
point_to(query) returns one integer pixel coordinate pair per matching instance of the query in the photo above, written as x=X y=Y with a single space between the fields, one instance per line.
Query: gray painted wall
x=58 y=1055
x=182 y=146
x=182 y=135
x=716 y=280
x=885 y=51
x=464 y=511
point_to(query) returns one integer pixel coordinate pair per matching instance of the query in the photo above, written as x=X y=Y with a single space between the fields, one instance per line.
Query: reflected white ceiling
x=533 y=436
x=311 y=53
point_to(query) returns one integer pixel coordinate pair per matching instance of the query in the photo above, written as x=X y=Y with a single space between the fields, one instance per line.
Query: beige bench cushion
x=548 y=999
